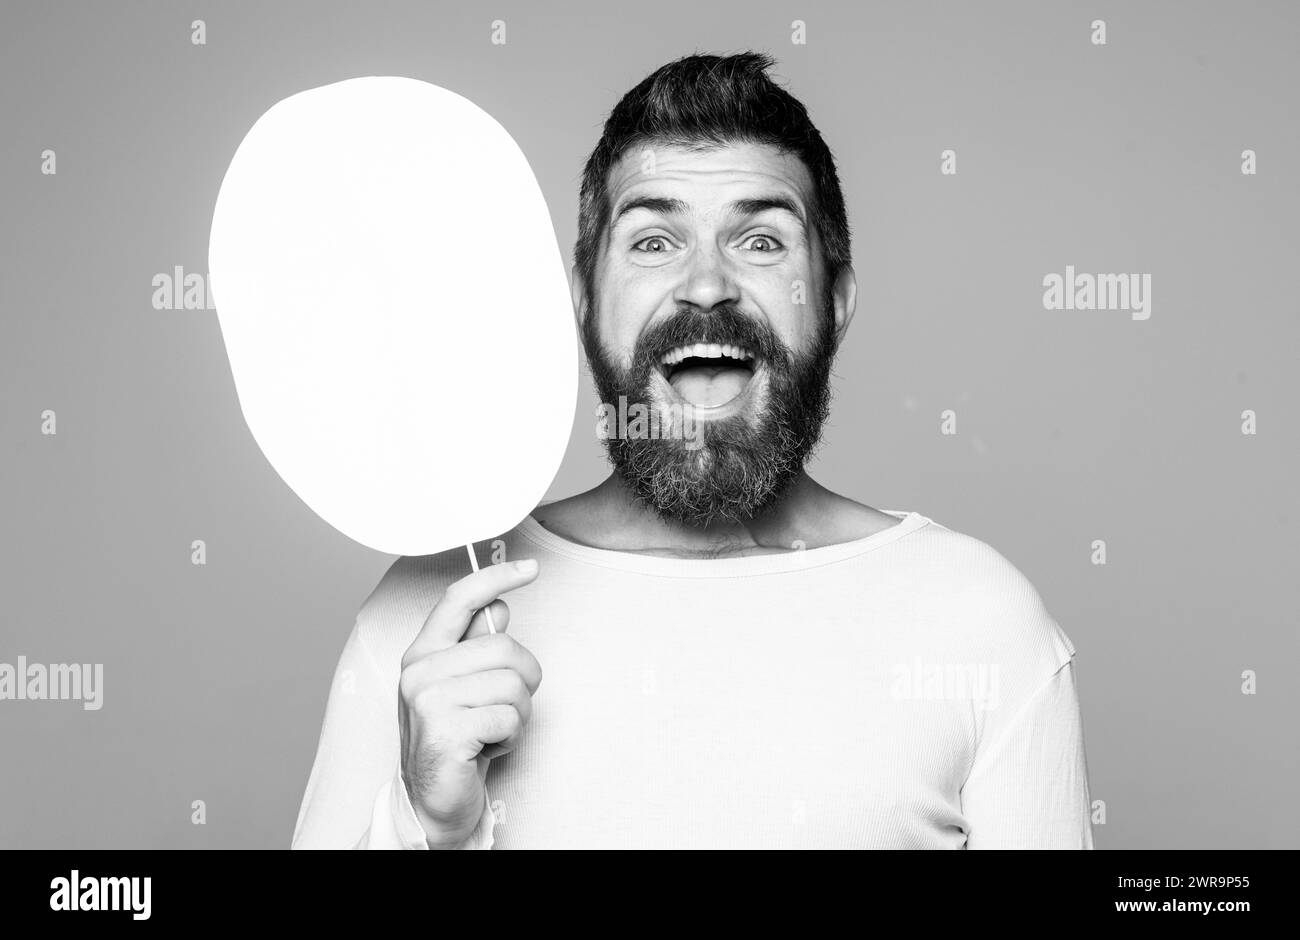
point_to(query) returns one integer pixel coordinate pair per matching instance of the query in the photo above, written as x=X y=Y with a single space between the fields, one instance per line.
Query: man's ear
x=578 y=291
x=844 y=297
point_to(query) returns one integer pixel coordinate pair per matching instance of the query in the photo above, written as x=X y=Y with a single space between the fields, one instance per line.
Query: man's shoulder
x=986 y=593
x=969 y=562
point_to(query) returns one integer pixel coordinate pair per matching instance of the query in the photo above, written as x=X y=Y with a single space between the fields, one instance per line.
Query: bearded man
x=735 y=656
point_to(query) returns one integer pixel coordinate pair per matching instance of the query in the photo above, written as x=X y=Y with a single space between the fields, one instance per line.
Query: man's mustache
x=725 y=324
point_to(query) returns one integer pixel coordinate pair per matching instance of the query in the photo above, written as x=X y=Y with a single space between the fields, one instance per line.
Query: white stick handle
x=473 y=563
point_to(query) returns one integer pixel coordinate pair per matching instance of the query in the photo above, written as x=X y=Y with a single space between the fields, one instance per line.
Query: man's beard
x=745 y=462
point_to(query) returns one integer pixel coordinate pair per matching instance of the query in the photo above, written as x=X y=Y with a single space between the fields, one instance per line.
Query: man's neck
x=807 y=516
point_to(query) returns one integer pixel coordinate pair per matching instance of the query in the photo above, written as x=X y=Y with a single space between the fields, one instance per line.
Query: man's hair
x=706 y=101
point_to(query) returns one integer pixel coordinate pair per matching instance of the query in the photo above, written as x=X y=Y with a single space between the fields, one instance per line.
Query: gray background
x=1073 y=426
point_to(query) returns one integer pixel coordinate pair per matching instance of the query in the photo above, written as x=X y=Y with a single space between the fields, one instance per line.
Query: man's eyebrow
x=763 y=203
x=660 y=204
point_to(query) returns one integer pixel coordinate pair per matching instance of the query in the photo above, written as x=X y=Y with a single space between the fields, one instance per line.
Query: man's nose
x=707 y=280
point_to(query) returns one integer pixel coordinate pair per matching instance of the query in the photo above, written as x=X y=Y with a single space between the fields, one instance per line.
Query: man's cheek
x=622 y=347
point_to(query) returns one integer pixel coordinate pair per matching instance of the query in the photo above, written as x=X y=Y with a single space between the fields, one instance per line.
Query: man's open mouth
x=708 y=375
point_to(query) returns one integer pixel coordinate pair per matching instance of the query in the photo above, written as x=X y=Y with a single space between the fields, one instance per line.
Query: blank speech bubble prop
x=396 y=313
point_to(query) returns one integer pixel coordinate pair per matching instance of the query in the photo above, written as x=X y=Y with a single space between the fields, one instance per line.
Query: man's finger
x=478 y=625
x=494 y=687
x=450 y=617
x=490 y=724
x=477 y=654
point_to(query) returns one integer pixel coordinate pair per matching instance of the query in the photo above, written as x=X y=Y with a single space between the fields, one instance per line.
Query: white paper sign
x=396 y=312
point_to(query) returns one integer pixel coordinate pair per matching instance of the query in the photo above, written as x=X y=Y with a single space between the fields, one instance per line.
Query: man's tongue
x=707 y=386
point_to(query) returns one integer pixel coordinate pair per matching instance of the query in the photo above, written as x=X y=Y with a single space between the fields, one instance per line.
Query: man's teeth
x=706 y=351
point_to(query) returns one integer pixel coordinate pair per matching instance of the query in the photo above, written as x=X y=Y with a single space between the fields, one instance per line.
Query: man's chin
x=730 y=470
x=700 y=488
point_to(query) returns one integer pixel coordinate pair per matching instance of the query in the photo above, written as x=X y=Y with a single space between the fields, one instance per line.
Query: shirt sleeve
x=356 y=797
x=1028 y=787
x=393 y=823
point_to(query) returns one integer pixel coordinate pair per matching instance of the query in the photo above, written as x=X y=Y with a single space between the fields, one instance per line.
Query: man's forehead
x=706 y=175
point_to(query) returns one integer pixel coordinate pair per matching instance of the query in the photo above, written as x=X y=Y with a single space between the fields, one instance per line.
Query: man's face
x=711 y=306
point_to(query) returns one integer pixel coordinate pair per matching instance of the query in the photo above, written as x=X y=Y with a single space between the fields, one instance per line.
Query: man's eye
x=762 y=243
x=655 y=244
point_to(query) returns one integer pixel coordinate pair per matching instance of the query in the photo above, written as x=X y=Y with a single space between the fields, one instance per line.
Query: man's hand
x=463 y=699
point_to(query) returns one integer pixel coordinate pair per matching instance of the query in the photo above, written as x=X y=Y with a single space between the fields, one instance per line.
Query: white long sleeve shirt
x=904 y=690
